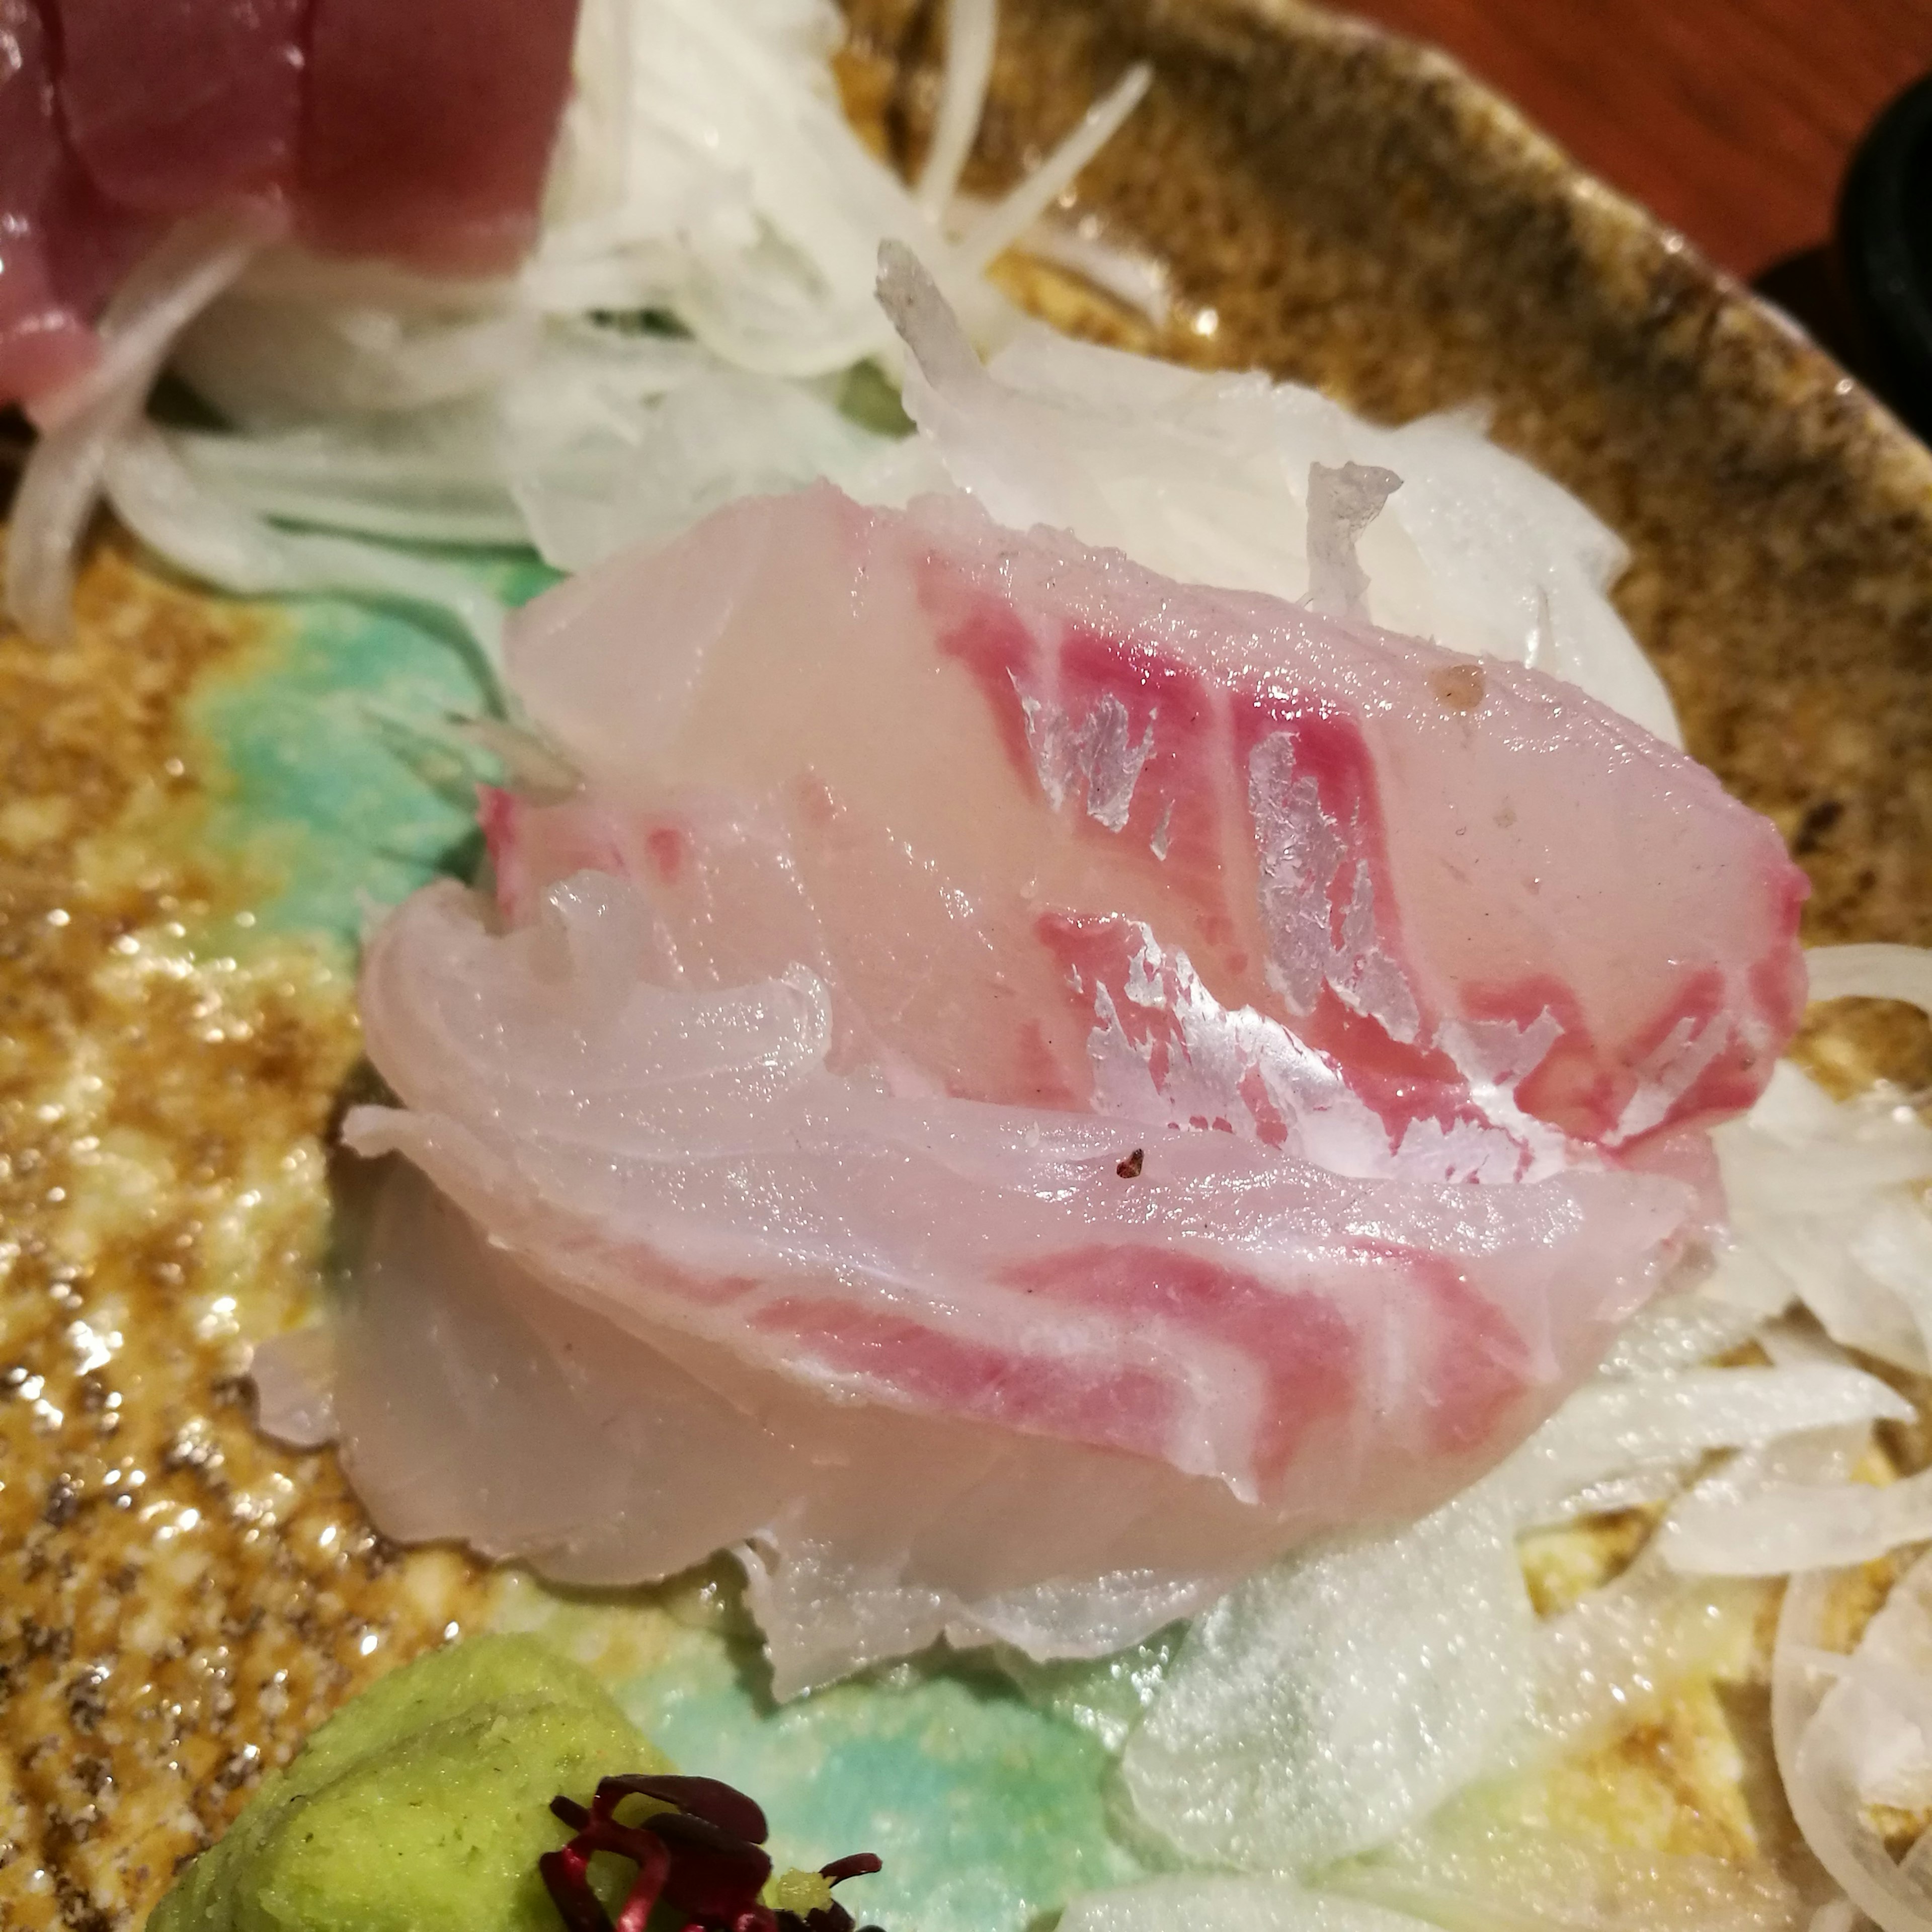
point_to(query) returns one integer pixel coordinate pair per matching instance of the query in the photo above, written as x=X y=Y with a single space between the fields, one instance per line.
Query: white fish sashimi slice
x=1023 y=792
x=1047 y=1086
x=1326 y=1347
x=612 y=1446
x=626 y=1461
x=474 y=1400
x=648 y=1355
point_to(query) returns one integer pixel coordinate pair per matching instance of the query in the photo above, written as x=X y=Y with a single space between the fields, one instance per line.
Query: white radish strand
x=161 y=502
x=369 y=486
x=267 y=365
x=690 y=125
x=1138 y=281
x=1471 y=1873
x=1614 y=1429
x=192 y=264
x=1813 y=1706
x=1821 y=1782
x=1204 y=478
x=1678 y=1331
x=1786 y=1527
x=1007 y=220
x=1909 y=1696
x=62 y=482
x=1081 y=243
x=971 y=29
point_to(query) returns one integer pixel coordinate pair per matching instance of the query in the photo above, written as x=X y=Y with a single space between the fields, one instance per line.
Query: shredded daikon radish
x=1830 y=1730
x=432 y=481
x=1610 y=1428
x=606 y=443
x=158 y=499
x=971 y=28
x=1826 y=1207
x=1206 y=477
x=741 y=201
x=1081 y=243
x=274 y=363
x=62 y=482
x=1909 y=1695
x=705 y=180
x=1781 y=1527
x=1678 y=1331
x=705 y=173
x=1330 y=1702
x=1469 y=1872
x=1272 y=1743
x=1618 y=1657
x=1139 y=281
x=186 y=270
x=710 y=196
x=1633 y=1488
x=1002 y=225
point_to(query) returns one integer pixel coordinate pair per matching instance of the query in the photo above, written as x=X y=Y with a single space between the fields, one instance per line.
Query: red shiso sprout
x=705 y=1856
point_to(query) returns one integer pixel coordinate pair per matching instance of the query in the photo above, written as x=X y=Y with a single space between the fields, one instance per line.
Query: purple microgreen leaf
x=716 y=1803
x=854 y=1864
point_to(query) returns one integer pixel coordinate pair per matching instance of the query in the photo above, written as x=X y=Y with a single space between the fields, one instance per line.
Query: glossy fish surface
x=1015 y=1089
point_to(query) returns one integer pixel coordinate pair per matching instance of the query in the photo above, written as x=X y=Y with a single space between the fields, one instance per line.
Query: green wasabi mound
x=421 y=1806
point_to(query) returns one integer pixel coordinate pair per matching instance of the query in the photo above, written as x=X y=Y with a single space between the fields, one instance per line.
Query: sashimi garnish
x=699 y=1854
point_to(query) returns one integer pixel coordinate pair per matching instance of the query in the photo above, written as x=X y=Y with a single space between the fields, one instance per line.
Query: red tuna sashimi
x=418 y=133
x=1059 y=832
x=428 y=127
x=173 y=104
x=62 y=246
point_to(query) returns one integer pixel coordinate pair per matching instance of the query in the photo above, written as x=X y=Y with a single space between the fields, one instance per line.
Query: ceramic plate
x=202 y=801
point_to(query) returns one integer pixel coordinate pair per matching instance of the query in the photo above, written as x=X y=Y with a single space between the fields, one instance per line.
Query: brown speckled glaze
x=1357 y=213
x=179 y=1601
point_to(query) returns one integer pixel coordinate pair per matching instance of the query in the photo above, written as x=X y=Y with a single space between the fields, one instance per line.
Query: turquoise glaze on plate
x=339 y=782
x=990 y=1807
x=988 y=1812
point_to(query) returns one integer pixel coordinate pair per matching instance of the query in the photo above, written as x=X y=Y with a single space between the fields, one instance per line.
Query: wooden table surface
x=1732 y=119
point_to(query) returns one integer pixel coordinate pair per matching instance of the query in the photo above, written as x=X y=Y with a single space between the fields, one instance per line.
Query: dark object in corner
x=1884 y=252
x=1865 y=297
